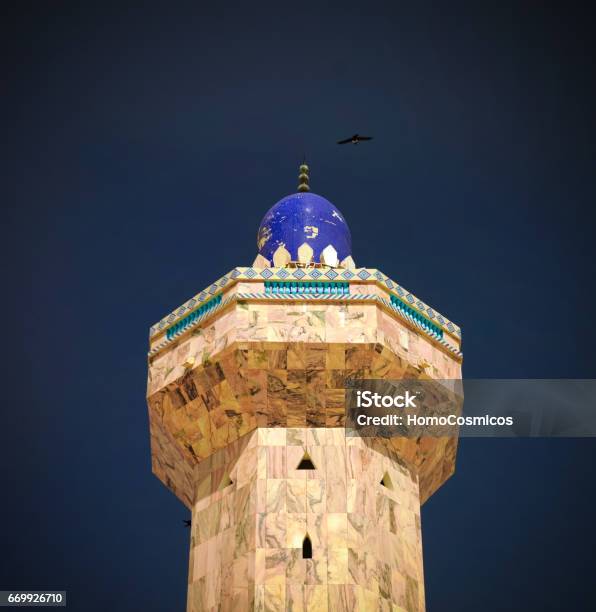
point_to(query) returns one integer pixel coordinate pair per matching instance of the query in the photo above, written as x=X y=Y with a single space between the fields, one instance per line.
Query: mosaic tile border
x=428 y=331
x=306 y=287
x=356 y=297
x=194 y=316
x=337 y=297
x=206 y=315
x=415 y=316
x=315 y=274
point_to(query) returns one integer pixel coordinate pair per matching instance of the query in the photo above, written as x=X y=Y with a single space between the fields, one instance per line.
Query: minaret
x=246 y=395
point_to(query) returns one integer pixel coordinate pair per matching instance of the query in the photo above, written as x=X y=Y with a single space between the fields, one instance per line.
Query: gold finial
x=303 y=178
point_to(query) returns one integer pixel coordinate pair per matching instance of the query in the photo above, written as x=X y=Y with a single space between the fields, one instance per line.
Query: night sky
x=142 y=146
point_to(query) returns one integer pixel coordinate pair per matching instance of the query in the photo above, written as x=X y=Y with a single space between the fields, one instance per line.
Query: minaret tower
x=246 y=395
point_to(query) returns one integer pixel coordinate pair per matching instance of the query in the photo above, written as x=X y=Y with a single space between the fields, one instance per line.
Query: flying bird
x=355 y=139
x=187 y=523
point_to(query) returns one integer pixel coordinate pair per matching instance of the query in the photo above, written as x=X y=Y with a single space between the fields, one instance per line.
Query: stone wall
x=247 y=535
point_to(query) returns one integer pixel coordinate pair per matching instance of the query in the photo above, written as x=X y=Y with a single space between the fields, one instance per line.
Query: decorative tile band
x=306 y=274
x=416 y=317
x=415 y=321
x=221 y=304
x=412 y=317
x=308 y=296
x=193 y=317
x=306 y=287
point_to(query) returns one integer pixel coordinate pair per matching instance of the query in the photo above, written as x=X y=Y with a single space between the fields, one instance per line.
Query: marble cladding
x=246 y=537
x=250 y=385
x=322 y=322
x=371 y=277
x=258 y=288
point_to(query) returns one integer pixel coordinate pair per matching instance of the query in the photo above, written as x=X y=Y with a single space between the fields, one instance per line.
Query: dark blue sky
x=143 y=146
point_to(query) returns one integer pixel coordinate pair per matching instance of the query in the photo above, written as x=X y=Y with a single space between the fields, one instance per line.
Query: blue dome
x=304 y=217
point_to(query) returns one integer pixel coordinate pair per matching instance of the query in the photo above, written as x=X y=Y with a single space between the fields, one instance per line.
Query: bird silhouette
x=355 y=139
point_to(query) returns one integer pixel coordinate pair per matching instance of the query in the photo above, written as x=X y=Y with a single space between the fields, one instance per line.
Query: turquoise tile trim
x=305 y=275
x=394 y=304
x=306 y=287
x=192 y=317
x=303 y=297
x=414 y=314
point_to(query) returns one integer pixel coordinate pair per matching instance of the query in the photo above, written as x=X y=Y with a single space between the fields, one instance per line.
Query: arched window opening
x=306 y=548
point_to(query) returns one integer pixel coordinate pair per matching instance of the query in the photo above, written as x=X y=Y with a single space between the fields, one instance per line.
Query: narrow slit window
x=306 y=463
x=226 y=481
x=306 y=548
x=386 y=481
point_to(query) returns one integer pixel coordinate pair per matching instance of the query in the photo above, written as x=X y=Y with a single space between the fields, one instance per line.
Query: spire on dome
x=303 y=177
